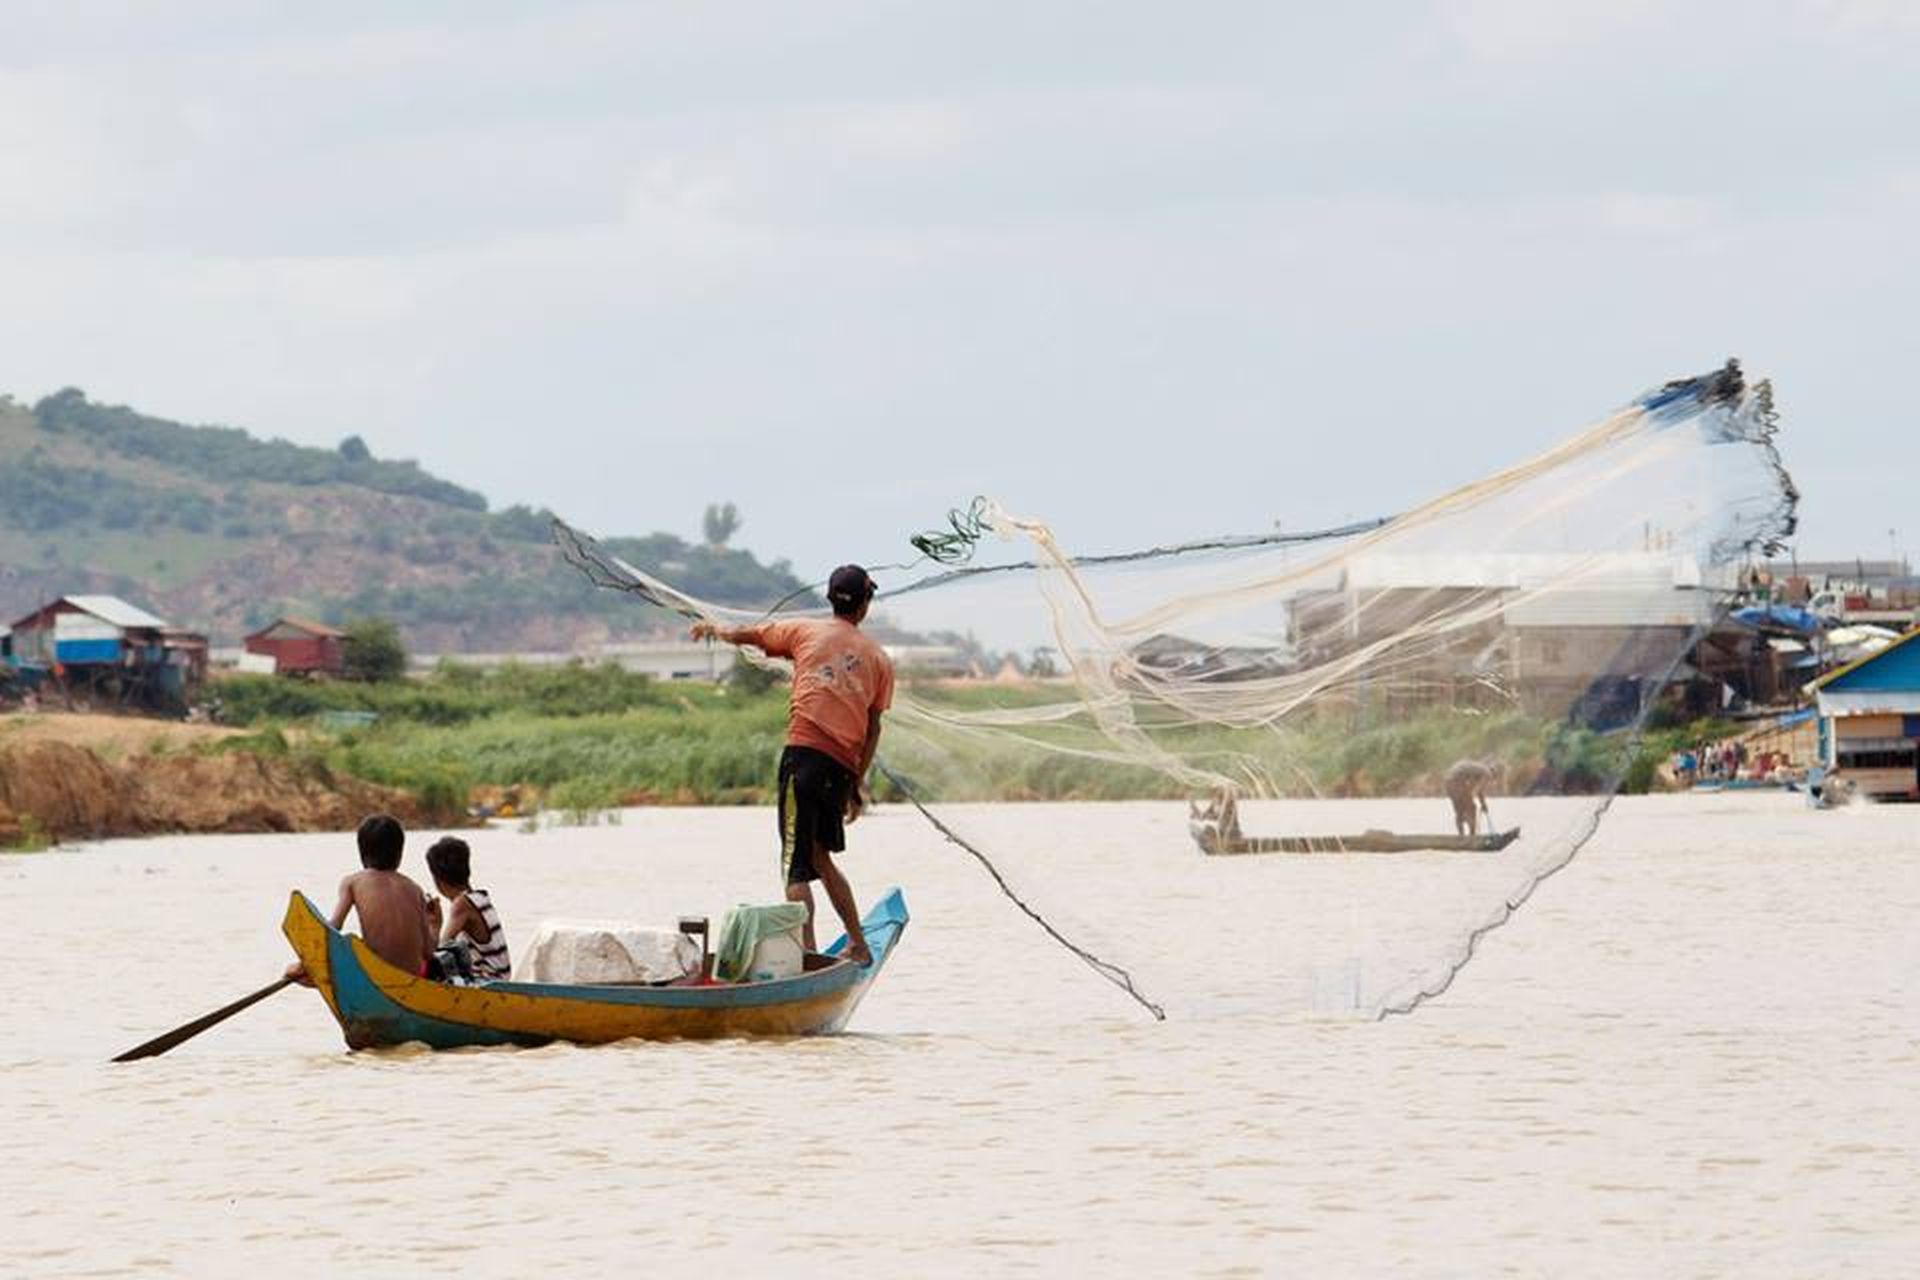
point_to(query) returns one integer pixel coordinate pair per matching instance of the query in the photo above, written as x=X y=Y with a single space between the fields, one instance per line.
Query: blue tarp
x=86 y=652
x=1784 y=616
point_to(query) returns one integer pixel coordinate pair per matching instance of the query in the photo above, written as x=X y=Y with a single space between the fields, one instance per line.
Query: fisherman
x=1467 y=782
x=842 y=682
x=393 y=910
x=1215 y=823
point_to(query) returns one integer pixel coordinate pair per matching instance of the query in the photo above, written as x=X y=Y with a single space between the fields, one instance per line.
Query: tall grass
x=588 y=738
x=450 y=694
x=717 y=754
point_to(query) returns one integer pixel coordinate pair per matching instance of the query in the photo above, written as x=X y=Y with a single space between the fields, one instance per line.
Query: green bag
x=743 y=929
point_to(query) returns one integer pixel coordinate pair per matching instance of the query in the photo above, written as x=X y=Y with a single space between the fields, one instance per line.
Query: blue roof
x=1894 y=668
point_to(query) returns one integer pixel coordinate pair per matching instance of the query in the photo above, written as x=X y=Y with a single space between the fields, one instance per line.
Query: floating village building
x=103 y=649
x=1870 y=720
x=1600 y=633
x=299 y=646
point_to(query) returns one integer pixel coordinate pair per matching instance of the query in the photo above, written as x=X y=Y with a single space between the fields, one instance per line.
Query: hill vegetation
x=222 y=531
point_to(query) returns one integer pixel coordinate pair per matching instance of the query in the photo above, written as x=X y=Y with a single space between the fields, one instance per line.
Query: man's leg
x=840 y=894
x=803 y=892
x=796 y=844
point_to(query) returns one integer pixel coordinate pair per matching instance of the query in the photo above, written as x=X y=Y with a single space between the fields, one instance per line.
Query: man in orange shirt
x=842 y=681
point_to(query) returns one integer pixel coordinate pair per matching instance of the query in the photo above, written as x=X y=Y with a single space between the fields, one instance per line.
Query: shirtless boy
x=393 y=910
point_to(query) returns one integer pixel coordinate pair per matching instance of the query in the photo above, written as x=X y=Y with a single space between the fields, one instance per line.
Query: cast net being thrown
x=1352 y=752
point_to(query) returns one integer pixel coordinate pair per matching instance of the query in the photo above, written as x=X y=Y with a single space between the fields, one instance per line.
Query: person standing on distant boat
x=1467 y=782
x=842 y=682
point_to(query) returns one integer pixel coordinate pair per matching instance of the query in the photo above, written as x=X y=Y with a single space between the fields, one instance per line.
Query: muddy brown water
x=1694 y=1053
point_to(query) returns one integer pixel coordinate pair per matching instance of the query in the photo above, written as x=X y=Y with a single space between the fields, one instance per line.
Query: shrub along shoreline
x=584 y=738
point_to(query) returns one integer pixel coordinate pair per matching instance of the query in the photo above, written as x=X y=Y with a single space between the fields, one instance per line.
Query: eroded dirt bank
x=70 y=792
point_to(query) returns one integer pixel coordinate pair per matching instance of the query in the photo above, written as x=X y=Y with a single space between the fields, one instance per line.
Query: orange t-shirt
x=839 y=676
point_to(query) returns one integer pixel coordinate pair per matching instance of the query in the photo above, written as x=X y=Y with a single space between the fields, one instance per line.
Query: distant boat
x=1373 y=841
x=380 y=1005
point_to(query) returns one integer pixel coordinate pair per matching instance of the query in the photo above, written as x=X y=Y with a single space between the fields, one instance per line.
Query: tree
x=751 y=678
x=721 y=521
x=354 y=449
x=372 y=650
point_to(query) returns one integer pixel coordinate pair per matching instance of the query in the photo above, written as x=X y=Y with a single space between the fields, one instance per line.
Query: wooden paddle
x=180 y=1035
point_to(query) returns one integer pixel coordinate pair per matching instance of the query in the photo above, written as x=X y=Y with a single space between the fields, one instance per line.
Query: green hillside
x=222 y=531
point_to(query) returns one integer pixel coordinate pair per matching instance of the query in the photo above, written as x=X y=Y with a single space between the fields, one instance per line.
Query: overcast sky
x=1149 y=271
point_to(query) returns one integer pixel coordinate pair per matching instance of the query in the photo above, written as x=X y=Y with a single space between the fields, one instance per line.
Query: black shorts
x=814 y=788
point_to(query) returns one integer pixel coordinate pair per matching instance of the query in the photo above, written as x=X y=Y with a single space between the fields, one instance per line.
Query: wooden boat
x=1210 y=840
x=377 y=1004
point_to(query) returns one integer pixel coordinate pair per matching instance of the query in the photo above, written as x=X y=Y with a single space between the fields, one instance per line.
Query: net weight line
x=1111 y=972
x=1403 y=1006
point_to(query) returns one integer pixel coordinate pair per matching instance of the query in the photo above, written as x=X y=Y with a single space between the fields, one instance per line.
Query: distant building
x=660 y=659
x=298 y=646
x=668 y=659
x=85 y=631
x=1180 y=658
x=1553 y=630
x=1870 y=720
x=931 y=661
x=186 y=650
x=1860 y=590
x=1878 y=574
x=107 y=648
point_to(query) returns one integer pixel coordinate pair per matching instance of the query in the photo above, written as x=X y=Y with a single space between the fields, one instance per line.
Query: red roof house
x=299 y=646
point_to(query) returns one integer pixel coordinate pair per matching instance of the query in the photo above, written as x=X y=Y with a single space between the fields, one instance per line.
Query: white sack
x=597 y=951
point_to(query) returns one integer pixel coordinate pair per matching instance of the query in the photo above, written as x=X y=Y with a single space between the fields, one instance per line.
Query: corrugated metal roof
x=308 y=625
x=1868 y=702
x=115 y=610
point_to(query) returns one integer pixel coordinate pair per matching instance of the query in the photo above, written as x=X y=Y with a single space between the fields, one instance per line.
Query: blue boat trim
x=369 y=1016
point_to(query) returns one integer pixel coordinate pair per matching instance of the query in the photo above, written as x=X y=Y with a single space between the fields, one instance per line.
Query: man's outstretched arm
x=769 y=638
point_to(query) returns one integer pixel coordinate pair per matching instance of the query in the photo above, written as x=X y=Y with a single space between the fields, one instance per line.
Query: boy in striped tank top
x=473 y=946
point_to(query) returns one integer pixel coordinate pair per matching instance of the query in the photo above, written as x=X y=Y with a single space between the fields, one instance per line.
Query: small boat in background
x=379 y=1005
x=1211 y=841
x=1215 y=824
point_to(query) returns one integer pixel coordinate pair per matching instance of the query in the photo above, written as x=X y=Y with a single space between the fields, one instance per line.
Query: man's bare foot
x=858 y=953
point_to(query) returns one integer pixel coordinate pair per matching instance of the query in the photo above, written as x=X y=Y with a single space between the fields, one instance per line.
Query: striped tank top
x=490 y=960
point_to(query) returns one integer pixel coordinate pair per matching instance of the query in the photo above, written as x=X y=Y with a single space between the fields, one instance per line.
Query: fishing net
x=1366 y=746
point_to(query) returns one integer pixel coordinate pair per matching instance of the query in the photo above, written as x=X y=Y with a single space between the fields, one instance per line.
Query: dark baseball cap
x=848 y=584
